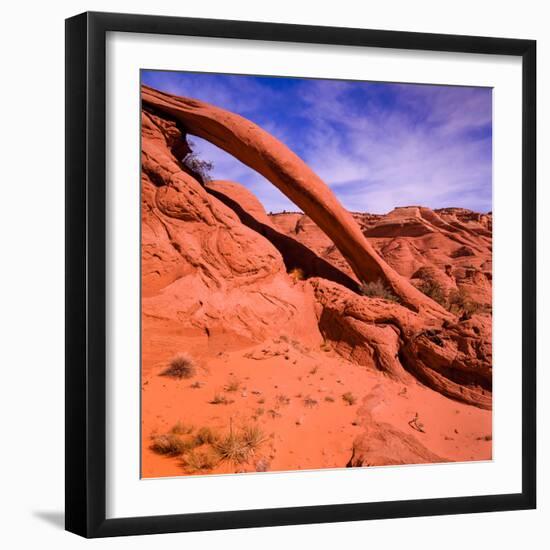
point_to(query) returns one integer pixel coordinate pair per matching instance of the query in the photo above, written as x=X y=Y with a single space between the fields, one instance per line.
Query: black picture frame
x=86 y=274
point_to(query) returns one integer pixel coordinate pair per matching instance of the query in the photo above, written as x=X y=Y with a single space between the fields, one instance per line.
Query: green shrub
x=377 y=289
x=433 y=290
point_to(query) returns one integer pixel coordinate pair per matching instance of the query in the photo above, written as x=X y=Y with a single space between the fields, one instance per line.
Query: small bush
x=233 y=385
x=169 y=445
x=297 y=274
x=310 y=402
x=199 y=168
x=282 y=399
x=181 y=366
x=220 y=399
x=206 y=436
x=180 y=428
x=461 y=303
x=329 y=399
x=239 y=447
x=197 y=461
x=252 y=436
x=349 y=398
x=433 y=290
x=377 y=289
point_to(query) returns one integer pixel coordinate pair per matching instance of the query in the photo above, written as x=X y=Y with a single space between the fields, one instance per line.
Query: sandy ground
x=294 y=395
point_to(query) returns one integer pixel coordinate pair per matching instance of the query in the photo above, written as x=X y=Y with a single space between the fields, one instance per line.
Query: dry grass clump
x=200 y=461
x=233 y=385
x=220 y=399
x=377 y=289
x=206 y=436
x=170 y=445
x=433 y=290
x=310 y=402
x=182 y=365
x=180 y=428
x=238 y=447
x=349 y=398
x=297 y=274
x=329 y=398
x=282 y=399
x=461 y=304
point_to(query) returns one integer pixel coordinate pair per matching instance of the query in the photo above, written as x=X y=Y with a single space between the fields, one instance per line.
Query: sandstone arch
x=277 y=163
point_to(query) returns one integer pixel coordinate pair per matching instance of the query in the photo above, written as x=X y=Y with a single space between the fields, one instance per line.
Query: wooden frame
x=86 y=263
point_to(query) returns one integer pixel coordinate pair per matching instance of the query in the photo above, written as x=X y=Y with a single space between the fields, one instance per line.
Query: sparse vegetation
x=220 y=399
x=297 y=274
x=199 y=168
x=377 y=289
x=461 y=304
x=282 y=399
x=433 y=290
x=199 y=461
x=238 y=447
x=310 y=402
x=233 y=385
x=169 y=445
x=349 y=398
x=180 y=428
x=206 y=436
x=329 y=399
x=181 y=366
x=196 y=385
x=252 y=436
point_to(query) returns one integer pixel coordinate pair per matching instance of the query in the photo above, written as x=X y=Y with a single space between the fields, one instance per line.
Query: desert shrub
x=461 y=303
x=197 y=461
x=297 y=274
x=282 y=399
x=433 y=290
x=181 y=366
x=377 y=289
x=349 y=398
x=238 y=447
x=206 y=436
x=329 y=399
x=252 y=436
x=233 y=385
x=232 y=449
x=310 y=402
x=169 y=445
x=201 y=169
x=220 y=399
x=180 y=428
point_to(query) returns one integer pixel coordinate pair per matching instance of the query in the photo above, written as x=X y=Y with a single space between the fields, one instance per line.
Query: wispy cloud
x=376 y=145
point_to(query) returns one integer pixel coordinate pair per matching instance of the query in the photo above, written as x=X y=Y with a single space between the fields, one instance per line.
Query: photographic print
x=316 y=274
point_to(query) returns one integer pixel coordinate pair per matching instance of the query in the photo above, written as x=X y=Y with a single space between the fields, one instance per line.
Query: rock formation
x=261 y=151
x=276 y=298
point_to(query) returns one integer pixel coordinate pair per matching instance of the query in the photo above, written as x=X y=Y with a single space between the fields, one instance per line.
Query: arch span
x=264 y=153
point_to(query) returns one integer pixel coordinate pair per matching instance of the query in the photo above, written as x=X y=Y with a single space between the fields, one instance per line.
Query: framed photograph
x=300 y=274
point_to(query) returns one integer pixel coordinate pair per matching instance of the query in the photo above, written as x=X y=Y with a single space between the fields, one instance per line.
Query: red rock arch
x=291 y=175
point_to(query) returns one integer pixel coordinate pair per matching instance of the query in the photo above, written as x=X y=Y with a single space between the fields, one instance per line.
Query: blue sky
x=377 y=145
